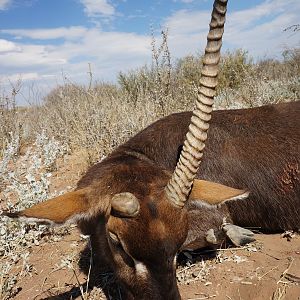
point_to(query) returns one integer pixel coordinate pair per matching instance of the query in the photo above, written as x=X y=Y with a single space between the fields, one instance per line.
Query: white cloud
x=109 y=53
x=269 y=8
x=98 y=7
x=258 y=29
x=72 y=32
x=8 y=46
x=4 y=4
x=186 y=21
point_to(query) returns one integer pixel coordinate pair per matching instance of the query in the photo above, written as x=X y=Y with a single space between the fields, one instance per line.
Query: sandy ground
x=271 y=271
x=268 y=269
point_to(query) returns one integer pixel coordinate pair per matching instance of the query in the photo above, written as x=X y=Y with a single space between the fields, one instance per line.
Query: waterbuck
x=139 y=211
x=255 y=149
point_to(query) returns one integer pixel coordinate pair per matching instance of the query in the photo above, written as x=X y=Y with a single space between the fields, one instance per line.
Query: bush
x=25 y=181
x=9 y=116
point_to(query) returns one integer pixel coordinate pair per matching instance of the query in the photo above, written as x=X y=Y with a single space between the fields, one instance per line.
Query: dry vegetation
x=94 y=119
x=99 y=116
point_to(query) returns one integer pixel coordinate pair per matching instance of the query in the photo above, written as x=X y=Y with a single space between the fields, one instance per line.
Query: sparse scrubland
x=99 y=116
x=94 y=119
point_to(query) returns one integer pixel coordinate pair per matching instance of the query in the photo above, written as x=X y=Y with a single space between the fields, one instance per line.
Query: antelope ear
x=65 y=208
x=215 y=193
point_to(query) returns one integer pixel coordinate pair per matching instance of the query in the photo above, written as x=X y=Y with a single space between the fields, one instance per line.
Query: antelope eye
x=114 y=238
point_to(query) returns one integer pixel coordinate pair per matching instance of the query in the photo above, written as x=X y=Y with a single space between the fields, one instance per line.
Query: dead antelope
x=139 y=211
x=254 y=149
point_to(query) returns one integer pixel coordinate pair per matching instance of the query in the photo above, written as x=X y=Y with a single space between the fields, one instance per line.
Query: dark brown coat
x=256 y=149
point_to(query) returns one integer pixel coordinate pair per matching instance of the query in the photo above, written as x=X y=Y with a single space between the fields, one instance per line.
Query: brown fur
x=253 y=149
x=153 y=237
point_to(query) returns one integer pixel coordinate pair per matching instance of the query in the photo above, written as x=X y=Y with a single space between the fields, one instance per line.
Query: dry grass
x=100 y=116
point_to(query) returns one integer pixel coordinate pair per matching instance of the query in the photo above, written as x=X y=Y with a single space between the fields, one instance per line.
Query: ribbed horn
x=186 y=169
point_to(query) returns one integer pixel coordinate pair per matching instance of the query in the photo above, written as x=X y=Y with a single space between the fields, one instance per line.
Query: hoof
x=239 y=236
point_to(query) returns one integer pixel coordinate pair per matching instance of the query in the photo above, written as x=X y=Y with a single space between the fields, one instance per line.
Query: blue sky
x=41 y=39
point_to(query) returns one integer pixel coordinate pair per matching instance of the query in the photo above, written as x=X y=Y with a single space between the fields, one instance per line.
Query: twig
x=203 y=298
x=90 y=267
x=233 y=249
x=292 y=278
x=261 y=277
x=270 y=255
x=91 y=77
x=79 y=284
x=186 y=268
x=285 y=272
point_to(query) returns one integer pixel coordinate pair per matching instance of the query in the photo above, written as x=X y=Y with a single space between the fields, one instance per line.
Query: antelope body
x=255 y=149
x=139 y=211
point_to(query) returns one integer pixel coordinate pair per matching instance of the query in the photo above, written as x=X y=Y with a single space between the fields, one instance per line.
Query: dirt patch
x=270 y=269
x=70 y=169
x=256 y=275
